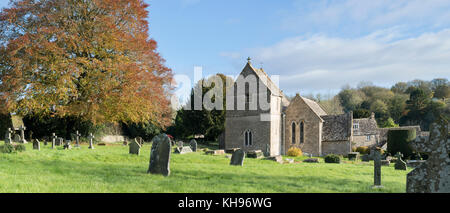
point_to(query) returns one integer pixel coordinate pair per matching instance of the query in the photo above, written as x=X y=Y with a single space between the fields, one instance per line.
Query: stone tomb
x=237 y=159
x=278 y=159
x=160 y=155
x=432 y=176
x=193 y=145
x=215 y=152
x=135 y=147
x=36 y=144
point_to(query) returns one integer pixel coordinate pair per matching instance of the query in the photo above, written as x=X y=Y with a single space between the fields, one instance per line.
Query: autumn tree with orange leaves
x=91 y=59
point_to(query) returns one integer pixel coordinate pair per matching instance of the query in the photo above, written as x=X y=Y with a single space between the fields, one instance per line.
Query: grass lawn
x=112 y=169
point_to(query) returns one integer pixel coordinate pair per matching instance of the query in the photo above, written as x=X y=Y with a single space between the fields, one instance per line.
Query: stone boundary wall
x=336 y=147
x=112 y=138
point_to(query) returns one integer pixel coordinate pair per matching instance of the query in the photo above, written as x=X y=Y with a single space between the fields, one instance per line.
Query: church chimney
x=372 y=116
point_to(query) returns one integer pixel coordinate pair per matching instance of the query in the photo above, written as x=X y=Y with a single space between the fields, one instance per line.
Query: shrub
x=20 y=147
x=399 y=141
x=332 y=158
x=7 y=148
x=363 y=150
x=294 y=152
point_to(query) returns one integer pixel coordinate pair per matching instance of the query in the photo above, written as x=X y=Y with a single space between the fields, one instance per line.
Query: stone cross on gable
x=434 y=174
x=91 y=138
x=54 y=137
x=77 y=138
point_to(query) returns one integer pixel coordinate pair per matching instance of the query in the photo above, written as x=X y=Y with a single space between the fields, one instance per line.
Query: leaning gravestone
x=237 y=159
x=193 y=145
x=36 y=144
x=135 y=147
x=160 y=155
x=400 y=164
x=377 y=168
x=432 y=176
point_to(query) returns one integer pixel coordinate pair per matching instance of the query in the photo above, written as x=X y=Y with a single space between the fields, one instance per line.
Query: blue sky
x=313 y=45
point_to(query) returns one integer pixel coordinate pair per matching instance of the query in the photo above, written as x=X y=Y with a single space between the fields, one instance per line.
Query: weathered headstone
x=8 y=136
x=400 y=164
x=353 y=156
x=140 y=140
x=135 y=147
x=60 y=141
x=180 y=144
x=54 y=137
x=22 y=134
x=17 y=138
x=160 y=155
x=432 y=176
x=193 y=145
x=36 y=144
x=377 y=168
x=237 y=159
x=267 y=152
x=77 y=138
x=183 y=150
x=125 y=142
x=67 y=144
x=91 y=142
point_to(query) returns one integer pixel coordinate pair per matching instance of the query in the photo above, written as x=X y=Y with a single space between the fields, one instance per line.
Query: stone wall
x=235 y=128
x=298 y=111
x=112 y=138
x=361 y=140
x=340 y=148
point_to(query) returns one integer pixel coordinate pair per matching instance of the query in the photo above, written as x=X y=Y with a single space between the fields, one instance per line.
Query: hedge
x=400 y=141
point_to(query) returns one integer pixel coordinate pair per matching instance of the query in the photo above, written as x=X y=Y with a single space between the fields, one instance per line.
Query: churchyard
x=109 y=169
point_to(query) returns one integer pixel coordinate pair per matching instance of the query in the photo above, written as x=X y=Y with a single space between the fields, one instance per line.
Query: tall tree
x=91 y=59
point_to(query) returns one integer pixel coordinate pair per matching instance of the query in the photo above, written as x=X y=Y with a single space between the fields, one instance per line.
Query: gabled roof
x=314 y=106
x=367 y=126
x=337 y=127
x=267 y=82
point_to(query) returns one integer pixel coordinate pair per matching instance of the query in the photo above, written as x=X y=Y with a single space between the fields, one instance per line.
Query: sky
x=314 y=46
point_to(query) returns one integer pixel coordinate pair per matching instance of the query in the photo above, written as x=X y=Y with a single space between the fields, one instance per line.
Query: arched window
x=302 y=132
x=248 y=140
x=293 y=132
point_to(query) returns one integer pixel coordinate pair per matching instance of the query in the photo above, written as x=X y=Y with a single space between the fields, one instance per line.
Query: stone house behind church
x=300 y=122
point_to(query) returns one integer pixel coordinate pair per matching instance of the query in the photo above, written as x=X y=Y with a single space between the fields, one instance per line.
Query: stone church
x=300 y=122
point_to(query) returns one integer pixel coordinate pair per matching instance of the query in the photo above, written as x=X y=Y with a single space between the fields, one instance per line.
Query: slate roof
x=367 y=126
x=315 y=107
x=337 y=127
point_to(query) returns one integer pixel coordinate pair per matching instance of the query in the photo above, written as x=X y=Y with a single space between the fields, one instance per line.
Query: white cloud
x=322 y=63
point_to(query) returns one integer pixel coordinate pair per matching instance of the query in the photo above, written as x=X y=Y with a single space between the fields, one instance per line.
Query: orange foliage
x=92 y=59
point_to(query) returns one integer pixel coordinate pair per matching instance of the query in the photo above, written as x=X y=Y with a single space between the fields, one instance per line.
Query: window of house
x=356 y=126
x=248 y=137
x=302 y=132
x=368 y=137
x=293 y=132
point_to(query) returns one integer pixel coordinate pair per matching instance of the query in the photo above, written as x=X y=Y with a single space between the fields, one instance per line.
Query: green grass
x=112 y=169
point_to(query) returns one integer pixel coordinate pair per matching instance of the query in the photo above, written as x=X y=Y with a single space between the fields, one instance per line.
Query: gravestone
x=193 y=145
x=22 y=134
x=135 y=147
x=60 y=141
x=400 y=164
x=255 y=154
x=267 y=153
x=180 y=144
x=160 y=155
x=140 y=140
x=8 y=136
x=125 y=142
x=17 y=138
x=54 y=137
x=215 y=152
x=77 y=139
x=432 y=176
x=91 y=142
x=237 y=159
x=36 y=144
x=353 y=156
x=67 y=145
x=377 y=168
x=183 y=150
x=45 y=143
